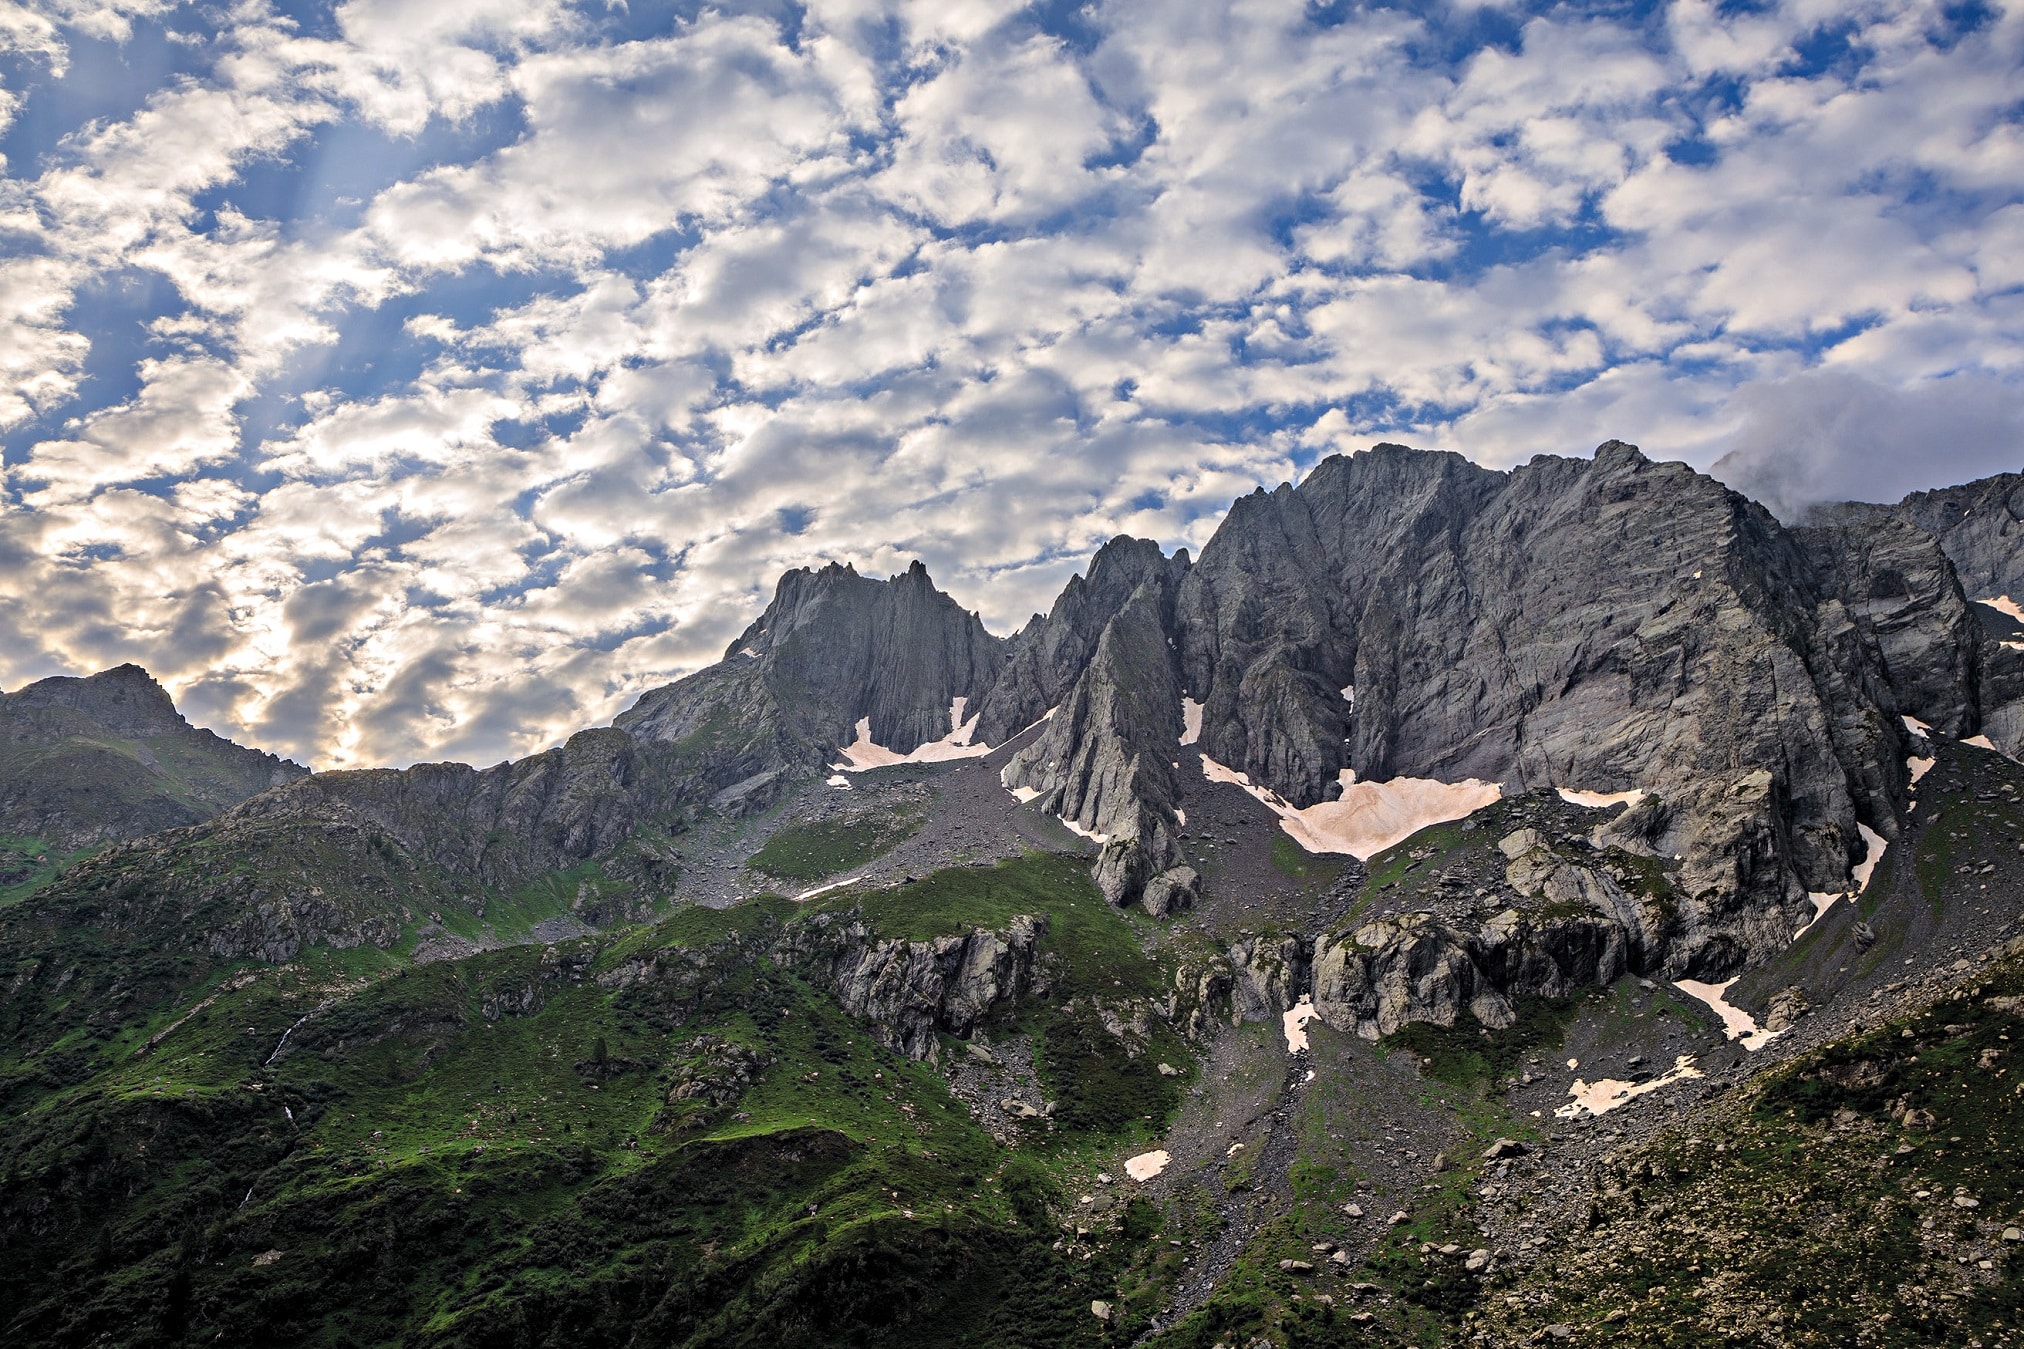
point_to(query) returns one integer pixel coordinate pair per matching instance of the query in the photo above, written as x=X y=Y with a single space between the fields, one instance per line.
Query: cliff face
x=1980 y=526
x=832 y=649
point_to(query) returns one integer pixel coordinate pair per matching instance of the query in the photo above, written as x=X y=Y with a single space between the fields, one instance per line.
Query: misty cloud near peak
x=1834 y=436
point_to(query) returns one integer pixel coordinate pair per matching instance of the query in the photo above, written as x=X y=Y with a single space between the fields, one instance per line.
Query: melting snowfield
x=1092 y=835
x=1822 y=901
x=1191 y=721
x=2003 y=604
x=1602 y=1096
x=1867 y=866
x=1294 y=1022
x=1370 y=816
x=1147 y=1164
x=1596 y=800
x=864 y=753
x=825 y=889
x=1737 y=1023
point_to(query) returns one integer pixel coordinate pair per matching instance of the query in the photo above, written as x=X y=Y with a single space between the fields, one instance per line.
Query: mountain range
x=1459 y=906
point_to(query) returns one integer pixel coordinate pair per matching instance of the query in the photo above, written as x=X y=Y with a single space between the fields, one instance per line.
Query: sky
x=404 y=381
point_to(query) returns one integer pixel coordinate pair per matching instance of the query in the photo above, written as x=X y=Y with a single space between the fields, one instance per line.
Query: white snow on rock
x=1981 y=742
x=1191 y=721
x=748 y=651
x=1092 y=835
x=1370 y=816
x=1147 y=1164
x=1919 y=768
x=1823 y=900
x=839 y=780
x=1914 y=724
x=863 y=753
x=1294 y=1022
x=1349 y=695
x=1024 y=794
x=1738 y=1024
x=1864 y=869
x=1597 y=800
x=1182 y=816
x=1601 y=1097
x=825 y=889
x=2003 y=604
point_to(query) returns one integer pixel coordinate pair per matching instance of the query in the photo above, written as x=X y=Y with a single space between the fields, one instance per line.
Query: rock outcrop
x=911 y=992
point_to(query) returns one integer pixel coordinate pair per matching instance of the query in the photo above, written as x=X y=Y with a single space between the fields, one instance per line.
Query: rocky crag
x=84 y=762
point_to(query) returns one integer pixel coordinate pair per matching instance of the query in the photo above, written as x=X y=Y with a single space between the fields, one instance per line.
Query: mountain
x=86 y=762
x=1458 y=906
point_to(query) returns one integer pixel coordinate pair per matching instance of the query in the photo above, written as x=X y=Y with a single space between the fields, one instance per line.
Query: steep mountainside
x=1458 y=907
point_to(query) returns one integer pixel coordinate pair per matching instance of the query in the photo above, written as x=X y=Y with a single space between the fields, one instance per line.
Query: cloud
x=1828 y=435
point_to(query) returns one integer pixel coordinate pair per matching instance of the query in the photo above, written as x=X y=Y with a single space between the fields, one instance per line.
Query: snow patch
x=1370 y=816
x=2003 y=604
x=1822 y=902
x=1606 y=1094
x=1597 y=800
x=1915 y=725
x=1919 y=768
x=839 y=780
x=1072 y=827
x=825 y=889
x=1191 y=721
x=1738 y=1024
x=1981 y=742
x=1024 y=794
x=864 y=753
x=2013 y=646
x=1294 y=1023
x=748 y=651
x=1349 y=695
x=1147 y=1164
x=1875 y=843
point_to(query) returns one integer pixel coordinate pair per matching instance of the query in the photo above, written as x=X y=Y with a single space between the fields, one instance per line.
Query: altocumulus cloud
x=402 y=380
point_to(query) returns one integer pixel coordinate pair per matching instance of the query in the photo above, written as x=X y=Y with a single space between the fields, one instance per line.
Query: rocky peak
x=1047 y=656
x=123 y=701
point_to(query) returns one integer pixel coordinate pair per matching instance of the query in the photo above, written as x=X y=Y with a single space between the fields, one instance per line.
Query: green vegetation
x=29 y=864
x=1855 y=1196
x=1468 y=1054
x=1319 y=869
x=808 y=852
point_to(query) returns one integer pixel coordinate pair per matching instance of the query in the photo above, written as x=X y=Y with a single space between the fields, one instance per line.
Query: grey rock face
x=1046 y=657
x=1600 y=625
x=1105 y=760
x=909 y=992
x=1980 y=525
x=831 y=649
x=1897 y=583
x=89 y=761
